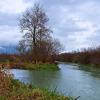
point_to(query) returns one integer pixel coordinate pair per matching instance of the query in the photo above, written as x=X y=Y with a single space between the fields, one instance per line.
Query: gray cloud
x=8 y=19
x=74 y=22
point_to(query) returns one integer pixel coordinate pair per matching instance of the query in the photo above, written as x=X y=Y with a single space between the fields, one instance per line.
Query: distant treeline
x=87 y=56
x=9 y=57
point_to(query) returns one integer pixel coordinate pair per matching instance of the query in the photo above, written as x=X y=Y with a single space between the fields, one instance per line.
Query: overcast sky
x=76 y=23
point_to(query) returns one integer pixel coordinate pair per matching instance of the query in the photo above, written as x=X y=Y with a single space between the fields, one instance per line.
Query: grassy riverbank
x=44 y=66
x=11 y=89
x=88 y=66
x=29 y=66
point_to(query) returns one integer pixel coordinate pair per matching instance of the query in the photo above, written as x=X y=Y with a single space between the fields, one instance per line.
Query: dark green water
x=70 y=80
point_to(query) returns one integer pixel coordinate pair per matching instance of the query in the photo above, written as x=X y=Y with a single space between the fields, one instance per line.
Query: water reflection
x=41 y=78
x=70 y=80
x=94 y=71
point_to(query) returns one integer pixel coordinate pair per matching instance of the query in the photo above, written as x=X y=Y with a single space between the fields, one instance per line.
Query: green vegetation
x=89 y=67
x=11 y=89
x=44 y=66
x=16 y=62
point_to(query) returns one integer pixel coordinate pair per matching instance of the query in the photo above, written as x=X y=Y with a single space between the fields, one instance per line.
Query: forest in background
x=90 y=56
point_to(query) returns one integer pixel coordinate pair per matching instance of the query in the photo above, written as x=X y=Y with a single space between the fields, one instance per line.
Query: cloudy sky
x=76 y=23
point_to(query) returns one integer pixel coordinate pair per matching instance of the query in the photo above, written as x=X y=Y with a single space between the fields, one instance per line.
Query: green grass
x=44 y=66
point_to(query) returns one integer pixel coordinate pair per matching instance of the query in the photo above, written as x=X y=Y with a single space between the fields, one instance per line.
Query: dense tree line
x=86 y=56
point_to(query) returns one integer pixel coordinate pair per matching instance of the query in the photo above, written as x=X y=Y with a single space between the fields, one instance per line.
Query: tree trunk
x=34 y=44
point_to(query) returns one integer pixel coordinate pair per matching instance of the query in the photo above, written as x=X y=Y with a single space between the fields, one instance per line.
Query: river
x=70 y=80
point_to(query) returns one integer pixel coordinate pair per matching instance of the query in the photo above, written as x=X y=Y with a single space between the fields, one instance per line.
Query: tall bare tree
x=37 y=38
x=34 y=24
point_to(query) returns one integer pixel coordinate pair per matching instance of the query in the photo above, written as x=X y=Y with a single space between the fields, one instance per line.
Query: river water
x=70 y=80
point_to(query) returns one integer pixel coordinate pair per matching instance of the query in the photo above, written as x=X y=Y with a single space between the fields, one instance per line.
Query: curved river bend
x=70 y=80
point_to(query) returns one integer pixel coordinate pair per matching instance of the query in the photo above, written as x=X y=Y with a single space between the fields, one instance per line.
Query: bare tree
x=21 y=48
x=37 y=38
x=34 y=24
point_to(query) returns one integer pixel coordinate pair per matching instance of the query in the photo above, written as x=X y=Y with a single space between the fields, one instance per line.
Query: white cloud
x=9 y=35
x=75 y=22
x=13 y=6
x=76 y=25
